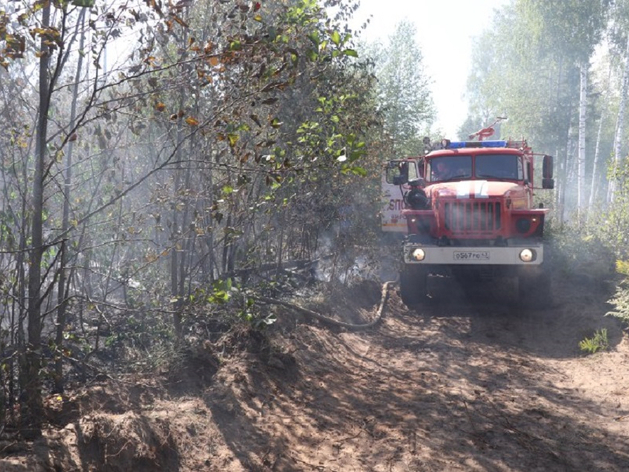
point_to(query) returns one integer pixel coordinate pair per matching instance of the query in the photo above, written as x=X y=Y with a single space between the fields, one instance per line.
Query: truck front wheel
x=413 y=284
x=536 y=290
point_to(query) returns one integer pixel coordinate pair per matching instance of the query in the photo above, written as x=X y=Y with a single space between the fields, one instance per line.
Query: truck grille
x=472 y=217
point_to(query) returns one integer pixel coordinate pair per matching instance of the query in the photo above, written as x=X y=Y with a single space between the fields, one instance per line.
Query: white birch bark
x=597 y=149
x=620 y=122
x=582 y=129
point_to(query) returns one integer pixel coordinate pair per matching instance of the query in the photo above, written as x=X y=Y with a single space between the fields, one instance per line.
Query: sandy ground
x=465 y=383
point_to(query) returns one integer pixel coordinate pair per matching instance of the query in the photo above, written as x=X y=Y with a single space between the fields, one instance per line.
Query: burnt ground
x=473 y=384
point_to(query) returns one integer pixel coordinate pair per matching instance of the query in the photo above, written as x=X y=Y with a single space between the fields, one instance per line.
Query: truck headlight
x=527 y=255
x=418 y=254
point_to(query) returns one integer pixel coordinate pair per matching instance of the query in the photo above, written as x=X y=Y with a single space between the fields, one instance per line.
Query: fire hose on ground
x=330 y=321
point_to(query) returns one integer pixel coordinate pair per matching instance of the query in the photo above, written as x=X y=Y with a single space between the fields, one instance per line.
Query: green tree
x=619 y=40
x=403 y=92
x=168 y=185
x=533 y=66
x=572 y=29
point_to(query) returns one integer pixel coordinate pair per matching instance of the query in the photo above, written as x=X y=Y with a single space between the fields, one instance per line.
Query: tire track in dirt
x=461 y=385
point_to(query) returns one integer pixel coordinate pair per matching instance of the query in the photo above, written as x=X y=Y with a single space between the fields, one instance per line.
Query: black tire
x=536 y=290
x=413 y=285
x=535 y=286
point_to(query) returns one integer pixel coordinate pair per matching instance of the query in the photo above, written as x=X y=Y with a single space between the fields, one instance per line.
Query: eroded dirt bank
x=459 y=385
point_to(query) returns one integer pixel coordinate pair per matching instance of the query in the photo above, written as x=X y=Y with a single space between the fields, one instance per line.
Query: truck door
x=395 y=178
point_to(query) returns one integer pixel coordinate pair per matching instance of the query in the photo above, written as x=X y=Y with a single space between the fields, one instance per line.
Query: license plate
x=471 y=255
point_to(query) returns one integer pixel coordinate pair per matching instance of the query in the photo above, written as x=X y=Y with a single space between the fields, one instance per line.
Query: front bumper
x=459 y=255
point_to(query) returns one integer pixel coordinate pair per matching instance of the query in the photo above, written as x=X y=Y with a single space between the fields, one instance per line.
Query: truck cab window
x=499 y=166
x=450 y=168
x=412 y=172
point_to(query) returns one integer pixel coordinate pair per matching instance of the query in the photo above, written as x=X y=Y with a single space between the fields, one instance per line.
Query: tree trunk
x=62 y=290
x=620 y=124
x=177 y=229
x=33 y=415
x=187 y=248
x=563 y=176
x=597 y=149
x=582 y=130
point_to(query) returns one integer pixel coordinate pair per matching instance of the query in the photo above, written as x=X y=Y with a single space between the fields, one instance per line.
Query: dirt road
x=461 y=385
x=471 y=385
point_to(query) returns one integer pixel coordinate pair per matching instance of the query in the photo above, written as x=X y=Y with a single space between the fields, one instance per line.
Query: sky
x=445 y=29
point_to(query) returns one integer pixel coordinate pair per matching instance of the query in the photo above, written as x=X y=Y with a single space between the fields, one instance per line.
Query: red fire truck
x=467 y=211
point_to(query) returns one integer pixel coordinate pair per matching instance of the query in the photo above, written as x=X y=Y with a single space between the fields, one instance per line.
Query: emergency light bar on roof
x=474 y=144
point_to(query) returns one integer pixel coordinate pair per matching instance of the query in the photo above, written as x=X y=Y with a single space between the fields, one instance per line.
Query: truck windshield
x=499 y=166
x=450 y=168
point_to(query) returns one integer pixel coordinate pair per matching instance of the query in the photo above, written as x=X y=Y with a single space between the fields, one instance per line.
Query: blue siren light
x=476 y=144
x=494 y=143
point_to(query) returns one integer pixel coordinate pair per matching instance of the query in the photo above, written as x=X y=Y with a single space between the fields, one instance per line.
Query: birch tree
x=573 y=29
x=620 y=123
x=541 y=80
x=599 y=135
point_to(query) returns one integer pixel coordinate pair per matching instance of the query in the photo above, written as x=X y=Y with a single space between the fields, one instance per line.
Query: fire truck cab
x=466 y=208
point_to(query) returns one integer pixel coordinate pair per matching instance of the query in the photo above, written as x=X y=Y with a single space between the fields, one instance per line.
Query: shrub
x=598 y=342
x=620 y=301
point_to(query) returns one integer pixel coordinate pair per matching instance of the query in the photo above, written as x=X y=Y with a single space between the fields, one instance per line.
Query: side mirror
x=548 y=183
x=399 y=180
x=397 y=172
x=547 y=168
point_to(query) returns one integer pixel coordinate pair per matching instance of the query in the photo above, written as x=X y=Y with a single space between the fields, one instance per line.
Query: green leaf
x=355 y=155
x=314 y=37
x=335 y=37
x=356 y=170
x=233 y=139
x=219 y=296
x=359 y=171
x=350 y=52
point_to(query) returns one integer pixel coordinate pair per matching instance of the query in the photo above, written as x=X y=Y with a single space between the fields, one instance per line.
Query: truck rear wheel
x=413 y=284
